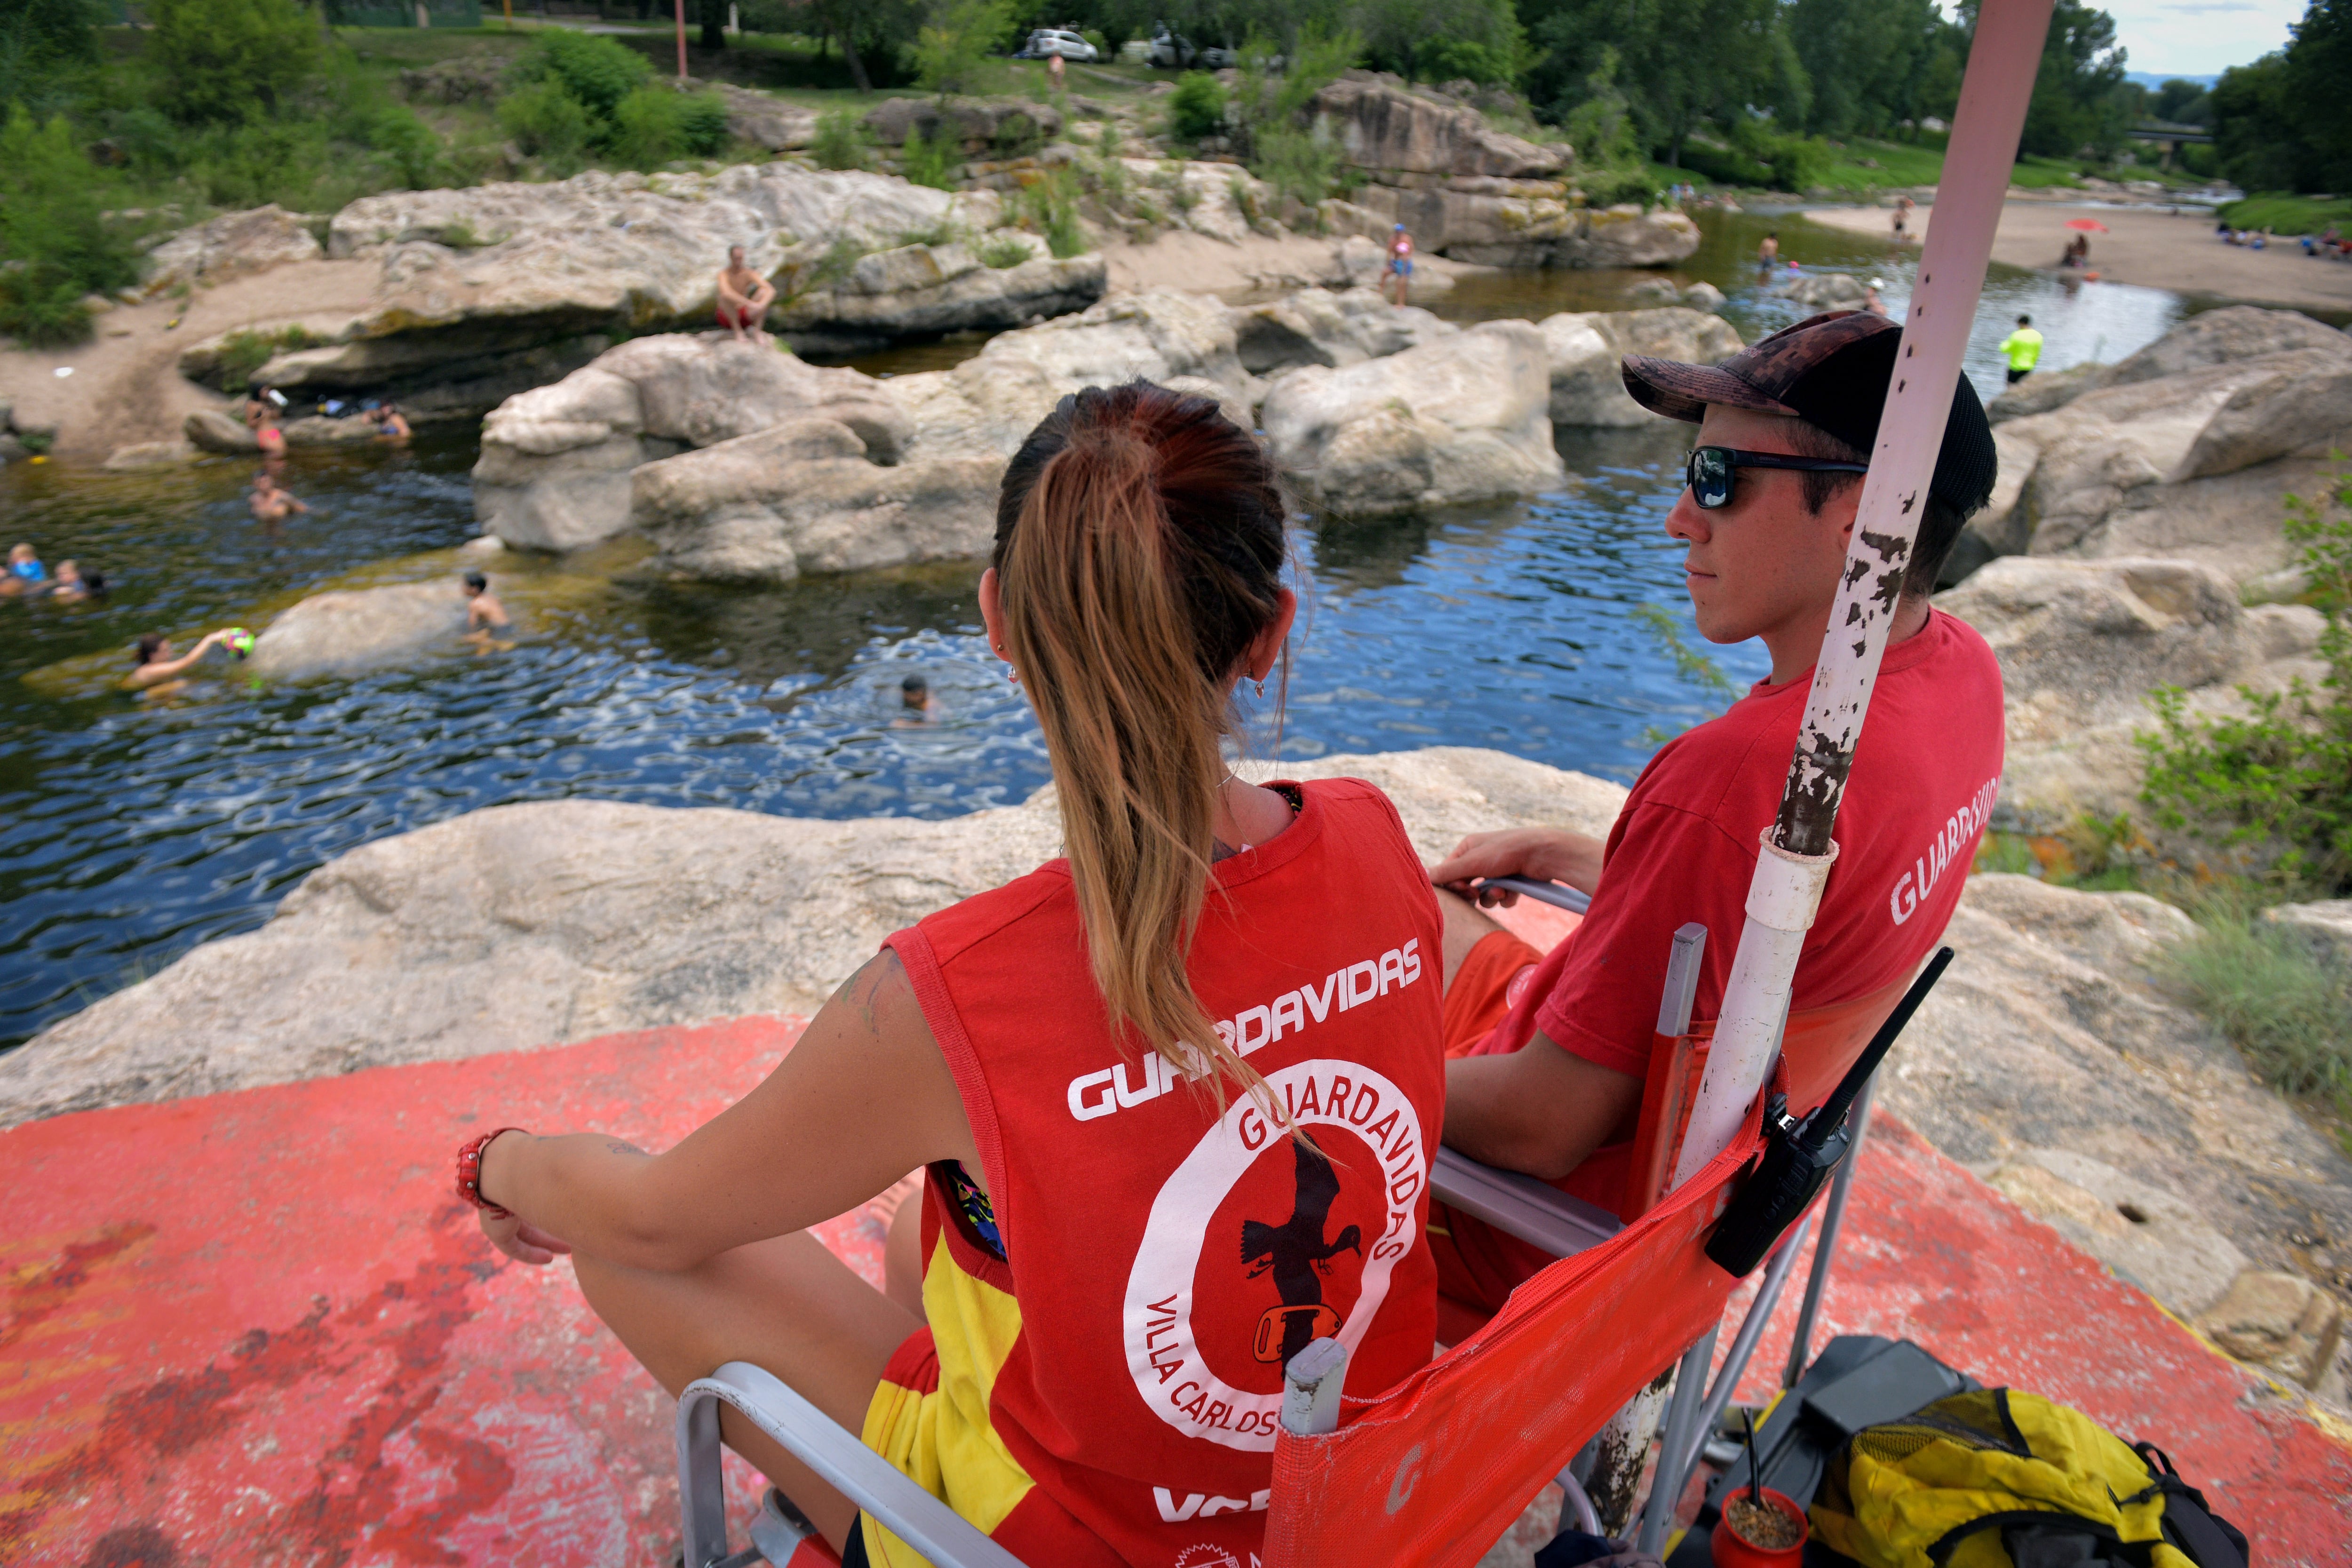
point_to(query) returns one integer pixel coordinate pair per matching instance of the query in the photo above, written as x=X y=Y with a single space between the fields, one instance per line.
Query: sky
x=2200 y=37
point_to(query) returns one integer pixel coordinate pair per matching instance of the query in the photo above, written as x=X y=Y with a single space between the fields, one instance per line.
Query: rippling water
x=132 y=830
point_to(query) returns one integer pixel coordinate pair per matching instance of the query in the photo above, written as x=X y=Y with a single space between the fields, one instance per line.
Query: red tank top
x=1109 y=1389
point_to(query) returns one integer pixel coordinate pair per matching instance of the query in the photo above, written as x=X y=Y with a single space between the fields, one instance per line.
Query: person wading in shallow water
x=158 y=666
x=270 y=504
x=1551 y=1051
x=1401 y=263
x=1103 y=1069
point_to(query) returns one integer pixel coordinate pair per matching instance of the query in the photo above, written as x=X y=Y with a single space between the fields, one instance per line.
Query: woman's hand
x=1545 y=854
x=523 y=1243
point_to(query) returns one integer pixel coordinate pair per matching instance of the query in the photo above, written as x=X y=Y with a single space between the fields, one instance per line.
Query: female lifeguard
x=1175 y=1095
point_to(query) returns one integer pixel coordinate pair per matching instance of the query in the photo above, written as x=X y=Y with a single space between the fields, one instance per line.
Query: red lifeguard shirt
x=1107 y=1391
x=1684 y=845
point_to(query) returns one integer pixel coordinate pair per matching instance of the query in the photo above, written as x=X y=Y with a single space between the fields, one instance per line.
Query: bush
x=1197 y=106
x=40 y=305
x=548 y=124
x=2269 y=994
x=702 y=124
x=655 y=124
x=1454 y=58
x=1004 y=251
x=55 y=245
x=593 y=67
x=932 y=161
x=1051 y=209
x=1303 y=164
x=2280 y=777
x=225 y=61
x=841 y=141
x=243 y=353
x=1606 y=188
x=951 y=49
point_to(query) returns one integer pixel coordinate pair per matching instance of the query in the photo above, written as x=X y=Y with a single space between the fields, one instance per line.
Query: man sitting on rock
x=1548 y=1054
x=743 y=299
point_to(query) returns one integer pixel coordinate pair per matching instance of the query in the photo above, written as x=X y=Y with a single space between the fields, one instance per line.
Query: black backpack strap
x=2203 y=1536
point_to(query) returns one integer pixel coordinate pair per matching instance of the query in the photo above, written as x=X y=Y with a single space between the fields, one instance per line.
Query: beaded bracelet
x=469 y=1173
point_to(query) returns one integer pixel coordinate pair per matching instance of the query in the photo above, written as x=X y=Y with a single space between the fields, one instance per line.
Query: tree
x=227 y=61
x=1682 y=62
x=2276 y=126
x=1437 y=40
x=1868 y=60
x=2182 y=102
x=953 y=46
x=2077 y=101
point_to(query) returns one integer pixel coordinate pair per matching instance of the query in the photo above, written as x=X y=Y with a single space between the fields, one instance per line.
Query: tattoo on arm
x=615 y=1146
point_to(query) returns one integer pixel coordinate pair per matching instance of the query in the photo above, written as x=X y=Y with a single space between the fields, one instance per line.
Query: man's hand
x=1545 y=854
x=523 y=1243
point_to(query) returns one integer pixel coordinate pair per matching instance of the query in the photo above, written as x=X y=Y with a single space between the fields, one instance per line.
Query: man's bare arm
x=1541 y=1110
x=1546 y=854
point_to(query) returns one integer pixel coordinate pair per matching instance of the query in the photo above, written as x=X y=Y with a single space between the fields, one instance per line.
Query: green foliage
x=43 y=44
x=841 y=141
x=936 y=162
x=952 y=48
x=1050 y=208
x=1760 y=156
x=2277 y=123
x=944 y=232
x=1197 y=106
x=2280 y=777
x=2283 y=214
x=1874 y=64
x=597 y=70
x=1682 y=64
x=243 y=353
x=656 y=124
x=1439 y=40
x=834 y=266
x=2076 y=102
x=53 y=244
x=2182 y=104
x=228 y=61
x=1302 y=164
x=2268 y=992
x=1002 y=252
x=1017 y=136
x=548 y=124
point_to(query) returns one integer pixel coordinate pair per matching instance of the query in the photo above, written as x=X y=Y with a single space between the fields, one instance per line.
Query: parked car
x=1174 y=51
x=1047 y=41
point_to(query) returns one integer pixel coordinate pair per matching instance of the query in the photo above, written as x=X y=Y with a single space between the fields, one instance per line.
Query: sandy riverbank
x=2148 y=246
x=1180 y=259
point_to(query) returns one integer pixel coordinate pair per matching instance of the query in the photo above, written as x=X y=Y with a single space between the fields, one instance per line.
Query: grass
x=1890 y=164
x=2283 y=214
x=2270 y=994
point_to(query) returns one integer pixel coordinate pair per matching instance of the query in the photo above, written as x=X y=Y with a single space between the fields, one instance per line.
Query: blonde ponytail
x=1139 y=546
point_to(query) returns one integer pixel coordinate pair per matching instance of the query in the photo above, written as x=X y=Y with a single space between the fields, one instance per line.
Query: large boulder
x=1527 y=224
x=555 y=461
x=2182 y=451
x=2083 y=643
x=602 y=251
x=234 y=245
x=1326 y=327
x=765 y=121
x=1587 y=349
x=522 y=926
x=802 y=496
x=1462 y=419
x=1382 y=125
x=977 y=124
x=352 y=631
x=210 y=430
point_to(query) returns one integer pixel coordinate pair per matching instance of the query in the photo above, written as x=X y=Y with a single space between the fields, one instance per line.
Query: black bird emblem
x=1299 y=1256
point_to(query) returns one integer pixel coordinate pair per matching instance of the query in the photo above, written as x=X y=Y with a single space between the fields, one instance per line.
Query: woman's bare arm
x=863 y=1099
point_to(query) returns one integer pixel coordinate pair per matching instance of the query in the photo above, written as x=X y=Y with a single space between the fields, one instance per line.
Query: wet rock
x=2279 y=1320
x=1823 y=290
x=2082 y=644
x=2046 y=390
x=1703 y=296
x=231 y=246
x=1319 y=326
x=1462 y=419
x=319 y=430
x=151 y=455
x=210 y=430
x=1623 y=236
x=1382 y=126
x=2146 y=1235
x=522 y=926
x=2326 y=927
x=555 y=461
x=353 y=631
x=803 y=496
x=1586 y=351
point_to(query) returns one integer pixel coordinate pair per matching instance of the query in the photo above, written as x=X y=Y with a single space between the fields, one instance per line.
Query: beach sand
x=2146 y=246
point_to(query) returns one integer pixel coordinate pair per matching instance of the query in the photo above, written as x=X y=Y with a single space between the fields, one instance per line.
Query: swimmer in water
x=157 y=667
x=26 y=575
x=485 y=616
x=916 y=704
x=261 y=418
x=271 y=504
x=390 y=425
x=73 y=588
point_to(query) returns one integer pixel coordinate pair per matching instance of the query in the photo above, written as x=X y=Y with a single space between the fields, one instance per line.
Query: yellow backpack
x=2001 y=1479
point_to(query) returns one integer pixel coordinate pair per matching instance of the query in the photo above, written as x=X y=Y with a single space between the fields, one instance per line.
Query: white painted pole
x=1798 y=849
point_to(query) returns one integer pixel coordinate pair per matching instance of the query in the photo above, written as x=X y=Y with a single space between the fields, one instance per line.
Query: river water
x=133 y=828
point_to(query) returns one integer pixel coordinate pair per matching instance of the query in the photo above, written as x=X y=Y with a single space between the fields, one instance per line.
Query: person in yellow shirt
x=2023 y=348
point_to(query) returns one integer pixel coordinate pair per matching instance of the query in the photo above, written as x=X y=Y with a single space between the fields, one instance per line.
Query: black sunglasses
x=1710 y=470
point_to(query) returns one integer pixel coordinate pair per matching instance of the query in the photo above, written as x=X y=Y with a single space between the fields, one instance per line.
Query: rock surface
x=1319 y=326
x=210 y=430
x=1383 y=126
x=2326 y=928
x=2082 y=643
x=554 y=468
x=352 y=631
x=229 y=246
x=1585 y=348
x=2186 y=449
x=527 y=925
x=1462 y=419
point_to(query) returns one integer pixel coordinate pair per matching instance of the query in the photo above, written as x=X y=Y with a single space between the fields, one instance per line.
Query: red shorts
x=1478 y=1266
x=730 y=320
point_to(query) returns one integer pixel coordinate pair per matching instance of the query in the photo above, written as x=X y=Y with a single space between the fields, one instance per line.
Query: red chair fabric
x=1431 y=1472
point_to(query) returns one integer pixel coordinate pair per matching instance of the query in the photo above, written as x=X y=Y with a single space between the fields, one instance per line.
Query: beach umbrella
x=2087 y=224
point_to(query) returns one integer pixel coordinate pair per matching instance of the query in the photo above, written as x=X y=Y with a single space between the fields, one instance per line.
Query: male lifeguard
x=1549 y=1052
x=743 y=299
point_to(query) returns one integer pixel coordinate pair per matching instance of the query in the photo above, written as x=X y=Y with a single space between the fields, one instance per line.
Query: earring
x=1260 y=689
